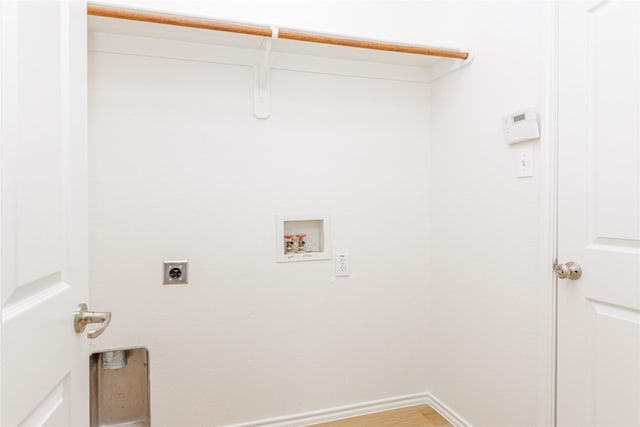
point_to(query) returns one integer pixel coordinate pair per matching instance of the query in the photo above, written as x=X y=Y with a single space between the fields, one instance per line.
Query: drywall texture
x=487 y=226
x=180 y=169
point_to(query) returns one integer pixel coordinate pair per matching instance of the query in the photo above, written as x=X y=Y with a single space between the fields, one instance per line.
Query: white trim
x=8 y=136
x=364 y=408
x=340 y=412
x=448 y=414
x=547 y=294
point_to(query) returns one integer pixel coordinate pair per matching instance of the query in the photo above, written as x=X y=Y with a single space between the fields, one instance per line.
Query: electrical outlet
x=342 y=264
x=175 y=272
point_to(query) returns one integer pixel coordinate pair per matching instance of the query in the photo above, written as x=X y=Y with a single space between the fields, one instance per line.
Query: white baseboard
x=347 y=411
x=446 y=412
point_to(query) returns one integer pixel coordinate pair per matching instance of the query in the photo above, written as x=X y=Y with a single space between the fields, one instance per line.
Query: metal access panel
x=119 y=388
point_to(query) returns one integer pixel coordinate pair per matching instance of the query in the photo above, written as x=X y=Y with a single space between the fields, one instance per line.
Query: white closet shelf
x=106 y=19
x=264 y=48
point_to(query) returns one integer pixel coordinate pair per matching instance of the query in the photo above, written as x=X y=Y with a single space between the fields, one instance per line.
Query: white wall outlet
x=342 y=264
x=524 y=162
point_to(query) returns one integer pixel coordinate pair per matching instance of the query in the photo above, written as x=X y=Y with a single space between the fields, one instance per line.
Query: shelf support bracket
x=262 y=91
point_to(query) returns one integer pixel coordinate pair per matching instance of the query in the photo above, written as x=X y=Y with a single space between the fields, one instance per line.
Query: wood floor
x=413 y=416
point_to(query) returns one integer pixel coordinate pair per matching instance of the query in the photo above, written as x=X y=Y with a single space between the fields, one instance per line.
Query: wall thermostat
x=520 y=126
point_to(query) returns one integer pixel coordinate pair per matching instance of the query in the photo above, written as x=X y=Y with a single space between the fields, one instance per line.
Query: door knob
x=570 y=270
x=82 y=317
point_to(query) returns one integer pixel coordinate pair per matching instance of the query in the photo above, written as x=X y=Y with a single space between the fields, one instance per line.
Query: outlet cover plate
x=175 y=272
x=342 y=264
x=524 y=162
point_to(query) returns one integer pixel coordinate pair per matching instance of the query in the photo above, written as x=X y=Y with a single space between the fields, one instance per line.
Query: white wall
x=180 y=169
x=462 y=323
x=488 y=228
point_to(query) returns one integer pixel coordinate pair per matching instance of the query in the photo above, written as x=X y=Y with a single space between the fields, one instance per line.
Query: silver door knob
x=570 y=270
x=82 y=317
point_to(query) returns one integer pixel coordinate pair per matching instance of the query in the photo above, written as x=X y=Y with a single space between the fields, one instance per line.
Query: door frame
x=548 y=285
x=548 y=307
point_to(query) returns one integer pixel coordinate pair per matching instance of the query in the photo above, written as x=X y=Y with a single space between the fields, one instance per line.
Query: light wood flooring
x=413 y=416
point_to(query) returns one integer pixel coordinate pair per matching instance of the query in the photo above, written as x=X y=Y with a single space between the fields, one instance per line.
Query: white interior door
x=44 y=363
x=599 y=213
